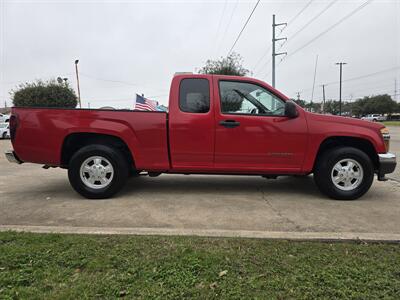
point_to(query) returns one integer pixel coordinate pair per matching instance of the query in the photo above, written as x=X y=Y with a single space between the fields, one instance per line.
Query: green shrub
x=230 y=65
x=44 y=94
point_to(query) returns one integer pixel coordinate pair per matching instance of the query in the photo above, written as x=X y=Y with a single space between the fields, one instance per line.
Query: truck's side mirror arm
x=290 y=109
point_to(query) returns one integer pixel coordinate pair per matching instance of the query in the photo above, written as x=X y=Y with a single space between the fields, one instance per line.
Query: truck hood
x=344 y=120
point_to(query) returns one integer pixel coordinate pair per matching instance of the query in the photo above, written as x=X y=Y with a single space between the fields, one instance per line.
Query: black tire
x=114 y=156
x=134 y=173
x=4 y=136
x=324 y=167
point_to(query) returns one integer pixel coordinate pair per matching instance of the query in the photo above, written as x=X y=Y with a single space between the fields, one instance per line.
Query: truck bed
x=44 y=131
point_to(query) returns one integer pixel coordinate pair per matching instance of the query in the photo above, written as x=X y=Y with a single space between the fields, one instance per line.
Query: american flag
x=145 y=104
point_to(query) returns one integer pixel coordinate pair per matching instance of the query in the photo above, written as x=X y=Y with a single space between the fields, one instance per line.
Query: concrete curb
x=301 y=236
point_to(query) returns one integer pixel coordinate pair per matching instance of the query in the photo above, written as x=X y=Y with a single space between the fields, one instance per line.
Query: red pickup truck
x=215 y=125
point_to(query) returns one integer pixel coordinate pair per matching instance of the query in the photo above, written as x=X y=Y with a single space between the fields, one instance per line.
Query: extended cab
x=215 y=125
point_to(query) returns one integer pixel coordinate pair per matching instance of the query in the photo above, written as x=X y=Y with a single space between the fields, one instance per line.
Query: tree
x=300 y=102
x=380 y=104
x=44 y=94
x=230 y=65
x=331 y=107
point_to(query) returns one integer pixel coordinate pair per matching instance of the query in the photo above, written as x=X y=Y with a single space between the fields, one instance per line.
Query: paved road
x=30 y=195
x=395 y=148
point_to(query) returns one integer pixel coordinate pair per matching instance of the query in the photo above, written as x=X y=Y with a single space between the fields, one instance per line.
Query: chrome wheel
x=96 y=172
x=347 y=174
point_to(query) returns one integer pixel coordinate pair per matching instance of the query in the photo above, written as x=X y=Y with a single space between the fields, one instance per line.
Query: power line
x=313 y=19
x=264 y=66
x=298 y=14
x=244 y=26
x=108 y=80
x=269 y=48
x=220 y=20
x=121 y=82
x=227 y=26
x=367 y=75
x=357 y=77
x=330 y=28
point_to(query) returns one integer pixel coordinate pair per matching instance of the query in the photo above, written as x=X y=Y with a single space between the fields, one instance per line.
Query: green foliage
x=380 y=104
x=300 y=102
x=314 y=106
x=231 y=65
x=332 y=107
x=44 y=94
x=54 y=266
x=391 y=123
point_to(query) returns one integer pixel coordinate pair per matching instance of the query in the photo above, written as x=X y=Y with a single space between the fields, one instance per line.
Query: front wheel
x=98 y=171
x=344 y=173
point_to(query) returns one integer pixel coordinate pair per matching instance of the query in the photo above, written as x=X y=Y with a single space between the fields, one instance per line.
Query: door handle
x=229 y=123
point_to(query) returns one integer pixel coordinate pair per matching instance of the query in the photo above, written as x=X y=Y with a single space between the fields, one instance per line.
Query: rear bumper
x=12 y=157
x=387 y=164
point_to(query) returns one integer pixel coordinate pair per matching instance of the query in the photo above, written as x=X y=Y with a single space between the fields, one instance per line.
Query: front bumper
x=12 y=157
x=387 y=164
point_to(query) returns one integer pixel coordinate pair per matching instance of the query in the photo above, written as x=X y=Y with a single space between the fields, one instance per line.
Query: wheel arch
x=75 y=141
x=346 y=141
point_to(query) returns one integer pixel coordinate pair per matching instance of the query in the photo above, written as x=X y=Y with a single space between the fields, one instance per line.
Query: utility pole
x=323 y=98
x=340 y=86
x=274 y=40
x=77 y=80
x=315 y=75
x=395 y=90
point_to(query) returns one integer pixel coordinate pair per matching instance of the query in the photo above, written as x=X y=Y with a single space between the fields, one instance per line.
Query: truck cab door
x=253 y=135
x=191 y=124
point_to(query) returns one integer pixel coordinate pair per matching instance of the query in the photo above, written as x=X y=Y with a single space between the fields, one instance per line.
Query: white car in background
x=374 y=118
x=4 y=118
x=4 y=130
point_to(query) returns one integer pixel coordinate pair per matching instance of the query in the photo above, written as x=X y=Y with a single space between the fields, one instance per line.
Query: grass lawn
x=391 y=123
x=38 y=266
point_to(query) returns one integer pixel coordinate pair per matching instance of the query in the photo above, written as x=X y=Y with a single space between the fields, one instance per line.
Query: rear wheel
x=344 y=173
x=98 y=171
x=4 y=136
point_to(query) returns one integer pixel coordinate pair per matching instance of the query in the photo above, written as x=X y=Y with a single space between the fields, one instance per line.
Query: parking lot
x=32 y=197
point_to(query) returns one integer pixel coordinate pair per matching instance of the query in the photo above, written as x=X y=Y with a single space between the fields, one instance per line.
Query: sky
x=129 y=47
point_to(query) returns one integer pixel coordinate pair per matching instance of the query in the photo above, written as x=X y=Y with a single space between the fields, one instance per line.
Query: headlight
x=386 y=138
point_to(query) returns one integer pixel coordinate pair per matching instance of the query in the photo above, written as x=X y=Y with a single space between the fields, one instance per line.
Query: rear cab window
x=194 y=95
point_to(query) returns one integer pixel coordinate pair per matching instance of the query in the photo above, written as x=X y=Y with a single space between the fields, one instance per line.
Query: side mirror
x=291 y=109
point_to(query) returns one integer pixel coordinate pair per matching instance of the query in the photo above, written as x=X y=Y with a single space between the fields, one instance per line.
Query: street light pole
x=77 y=81
x=340 y=86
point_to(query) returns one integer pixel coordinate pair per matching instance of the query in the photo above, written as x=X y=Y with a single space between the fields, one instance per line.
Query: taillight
x=13 y=126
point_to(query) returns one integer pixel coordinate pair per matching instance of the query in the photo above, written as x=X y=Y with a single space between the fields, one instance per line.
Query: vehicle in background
x=4 y=130
x=374 y=118
x=215 y=124
x=4 y=118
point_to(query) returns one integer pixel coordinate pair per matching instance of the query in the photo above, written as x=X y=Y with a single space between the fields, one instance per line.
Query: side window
x=248 y=98
x=194 y=95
